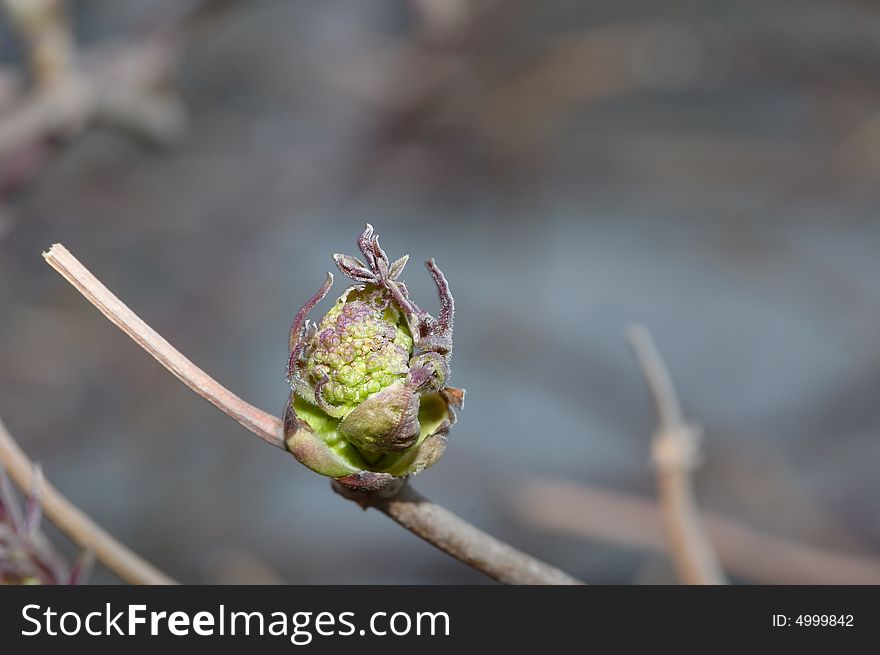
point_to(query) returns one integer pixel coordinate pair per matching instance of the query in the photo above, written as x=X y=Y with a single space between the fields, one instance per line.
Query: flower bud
x=369 y=400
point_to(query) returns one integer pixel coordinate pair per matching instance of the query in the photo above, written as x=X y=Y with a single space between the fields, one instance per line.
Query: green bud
x=369 y=400
x=361 y=346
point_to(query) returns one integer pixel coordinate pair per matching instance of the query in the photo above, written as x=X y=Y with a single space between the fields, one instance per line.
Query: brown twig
x=675 y=453
x=458 y=538
x=264 y=425
x=128 y=565
x=432 y=523
x=619 y=518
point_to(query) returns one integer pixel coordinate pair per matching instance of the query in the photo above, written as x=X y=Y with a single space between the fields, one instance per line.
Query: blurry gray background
x=707 y=168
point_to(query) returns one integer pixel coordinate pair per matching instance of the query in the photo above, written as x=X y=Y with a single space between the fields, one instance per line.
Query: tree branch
x=432 y=523
x=458 y=538
x=64 y=108
x=125 y=85
x=43 y=26
x=264 y=425
x=626 y=519
x=675 y=455
x=128 y=565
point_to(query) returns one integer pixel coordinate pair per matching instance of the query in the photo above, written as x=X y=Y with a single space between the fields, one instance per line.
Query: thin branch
x=675 y=455
x=126 y=85
x=262 y=424
x=49 y=42
x=432 y=523
x=458 y=538
x=63 y=108
x=128 y=565
x=123 y=86
x=615 y=517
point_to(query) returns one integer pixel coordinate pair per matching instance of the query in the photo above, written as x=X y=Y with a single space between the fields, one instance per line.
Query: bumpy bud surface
x=369 y=399
x=361 y=346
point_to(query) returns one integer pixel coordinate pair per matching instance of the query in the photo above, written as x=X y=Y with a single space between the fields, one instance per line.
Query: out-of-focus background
x=707 y=168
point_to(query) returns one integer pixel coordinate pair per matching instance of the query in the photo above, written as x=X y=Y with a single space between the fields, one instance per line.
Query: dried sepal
x=397 y=267
x=369 y=482
x=26 y=555
x=354 y=268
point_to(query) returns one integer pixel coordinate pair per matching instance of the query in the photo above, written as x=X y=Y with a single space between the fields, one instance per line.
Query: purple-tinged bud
x=369 y=399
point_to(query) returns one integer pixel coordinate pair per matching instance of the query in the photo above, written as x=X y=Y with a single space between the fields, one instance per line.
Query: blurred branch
x=73 y=522
x=675 y=455
x=441 y=21
x=48 y=39
x=43 y=26
x=432 y=523
x=63 y=108
x=619 y=518
x=125 y=85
